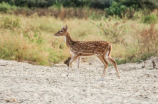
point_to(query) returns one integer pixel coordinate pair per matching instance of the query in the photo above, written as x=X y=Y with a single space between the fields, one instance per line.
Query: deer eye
x=61 y=31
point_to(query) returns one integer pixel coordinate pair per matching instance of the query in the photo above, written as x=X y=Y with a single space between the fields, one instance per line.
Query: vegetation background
x=27 y=28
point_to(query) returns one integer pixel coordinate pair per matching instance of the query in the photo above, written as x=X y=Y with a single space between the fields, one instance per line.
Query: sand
x=23 y=83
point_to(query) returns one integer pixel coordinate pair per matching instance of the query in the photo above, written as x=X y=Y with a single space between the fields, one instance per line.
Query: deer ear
x=66 y=27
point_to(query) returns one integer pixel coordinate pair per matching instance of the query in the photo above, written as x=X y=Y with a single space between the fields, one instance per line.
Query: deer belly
x=81 y=53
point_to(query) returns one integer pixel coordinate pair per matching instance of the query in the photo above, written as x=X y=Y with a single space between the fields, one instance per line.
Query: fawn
x=101 y=49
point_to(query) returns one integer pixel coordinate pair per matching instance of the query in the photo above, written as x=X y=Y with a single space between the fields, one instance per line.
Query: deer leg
x=78 y=63
x=70 y=62
x=105 y=66
x=115 y=65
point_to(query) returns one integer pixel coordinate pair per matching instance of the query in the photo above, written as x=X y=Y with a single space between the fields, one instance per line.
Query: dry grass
x=148 y=44
x=32 y=38
x=132 y=40
x=16 y=47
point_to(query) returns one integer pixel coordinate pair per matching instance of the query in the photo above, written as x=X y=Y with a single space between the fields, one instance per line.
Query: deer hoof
x=101 y=79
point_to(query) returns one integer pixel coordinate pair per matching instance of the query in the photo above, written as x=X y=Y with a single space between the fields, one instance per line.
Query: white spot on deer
x=72 y=53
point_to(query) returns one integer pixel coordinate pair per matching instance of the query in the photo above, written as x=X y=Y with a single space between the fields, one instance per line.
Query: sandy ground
x=23 y=83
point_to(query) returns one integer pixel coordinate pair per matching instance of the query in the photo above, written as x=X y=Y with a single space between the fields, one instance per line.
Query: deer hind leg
x=105 y=66
x=115 y=65
x=70 y=63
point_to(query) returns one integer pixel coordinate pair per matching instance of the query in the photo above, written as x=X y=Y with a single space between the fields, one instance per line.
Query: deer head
x=62 y=32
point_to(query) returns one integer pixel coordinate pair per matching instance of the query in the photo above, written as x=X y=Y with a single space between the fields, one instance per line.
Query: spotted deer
x=101 y=49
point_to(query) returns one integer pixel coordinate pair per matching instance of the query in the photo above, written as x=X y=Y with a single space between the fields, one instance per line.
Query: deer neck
x=68 y=40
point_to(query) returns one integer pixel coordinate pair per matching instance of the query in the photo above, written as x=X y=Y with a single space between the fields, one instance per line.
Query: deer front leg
x=70 y=63
x=78 y=63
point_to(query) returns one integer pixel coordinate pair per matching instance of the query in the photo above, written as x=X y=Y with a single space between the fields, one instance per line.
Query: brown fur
x=101 y=49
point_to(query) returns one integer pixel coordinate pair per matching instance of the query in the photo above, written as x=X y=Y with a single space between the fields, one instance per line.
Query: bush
x=115 y=9
x=113 y=30
x=5 y=7
x=121 y=10
x=141 y=4
x=149 y=19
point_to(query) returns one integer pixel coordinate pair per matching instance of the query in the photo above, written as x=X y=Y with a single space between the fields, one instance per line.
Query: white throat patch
x=65 y=39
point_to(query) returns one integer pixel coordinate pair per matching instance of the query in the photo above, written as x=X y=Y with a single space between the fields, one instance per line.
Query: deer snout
x=55 y=35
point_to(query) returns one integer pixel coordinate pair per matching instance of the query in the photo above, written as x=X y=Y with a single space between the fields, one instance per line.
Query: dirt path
x=22 y=83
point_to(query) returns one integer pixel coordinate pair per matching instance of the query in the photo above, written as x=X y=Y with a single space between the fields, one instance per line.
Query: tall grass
x=32 y=38
x=22 y=39
x=132 y=40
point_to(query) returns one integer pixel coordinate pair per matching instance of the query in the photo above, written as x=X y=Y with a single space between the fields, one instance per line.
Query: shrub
x=149 y=4
x=5 y=7
x=119 y=9
x=149 y=19
x=113 y=30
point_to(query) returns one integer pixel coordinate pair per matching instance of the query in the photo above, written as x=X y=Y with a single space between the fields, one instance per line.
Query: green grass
x=149 y=19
